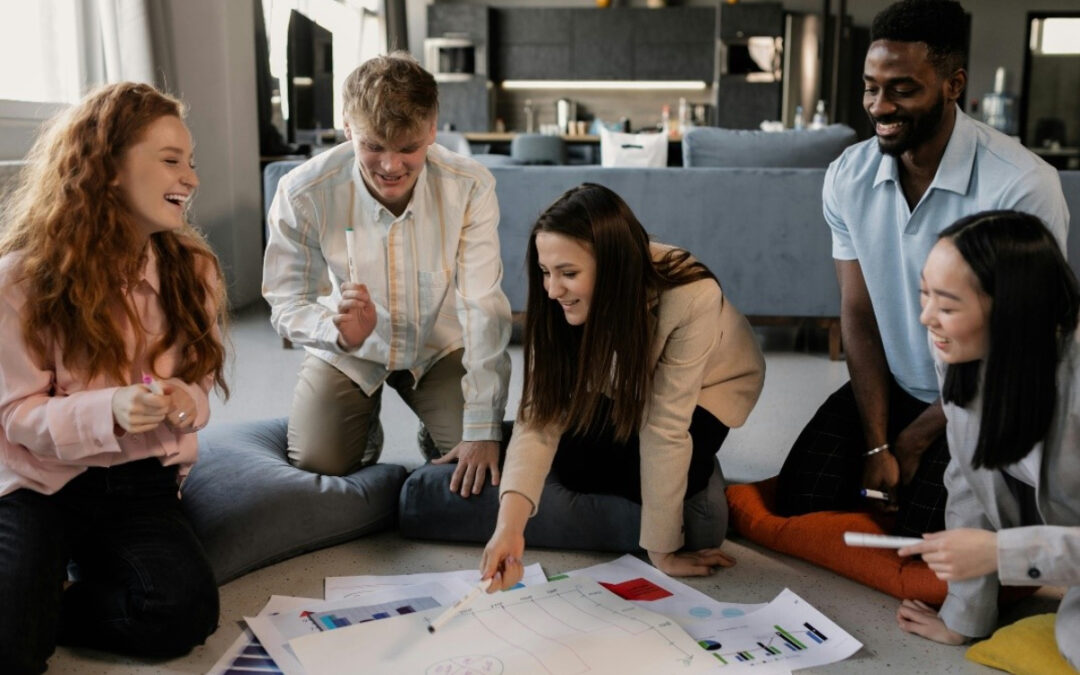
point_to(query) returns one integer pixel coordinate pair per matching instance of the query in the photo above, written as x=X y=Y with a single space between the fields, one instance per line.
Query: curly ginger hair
x=79 y=244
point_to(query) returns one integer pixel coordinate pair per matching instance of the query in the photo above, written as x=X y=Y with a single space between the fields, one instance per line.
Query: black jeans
x=144 y=586
x=593 y=462
x=823 y=471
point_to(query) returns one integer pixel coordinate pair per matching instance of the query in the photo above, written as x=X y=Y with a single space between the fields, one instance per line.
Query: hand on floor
x=915 y=616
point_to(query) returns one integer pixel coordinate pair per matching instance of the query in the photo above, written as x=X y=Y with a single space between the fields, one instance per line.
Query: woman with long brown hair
x=636 y=366
x=110 y=319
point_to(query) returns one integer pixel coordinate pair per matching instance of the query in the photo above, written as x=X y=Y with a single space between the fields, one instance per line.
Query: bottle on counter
x=665 y=119
x=999 y=108
x=820 y=120
x=685 y=123
x=530 y=116
x=798 y=122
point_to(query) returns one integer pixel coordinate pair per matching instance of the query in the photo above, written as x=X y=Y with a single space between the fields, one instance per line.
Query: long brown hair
x=79 y=245
x=569 y=370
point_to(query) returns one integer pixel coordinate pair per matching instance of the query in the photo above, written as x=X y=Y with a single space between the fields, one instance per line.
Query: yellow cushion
x=1026 y=647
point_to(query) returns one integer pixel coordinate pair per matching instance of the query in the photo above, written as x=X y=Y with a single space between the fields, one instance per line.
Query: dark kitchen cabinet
x=745 y=20
x=603 y=45
x=676 y=43
x=532 y=44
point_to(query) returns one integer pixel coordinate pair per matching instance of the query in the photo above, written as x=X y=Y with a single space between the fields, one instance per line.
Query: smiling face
x=955 y=309
x=569 y=270
x=157 y=176
x=390 y=168
x=906 y=98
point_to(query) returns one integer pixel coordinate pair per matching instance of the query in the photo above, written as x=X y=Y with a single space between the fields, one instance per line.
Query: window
x=358 y=30
x=39 y=47
x=1055 y=36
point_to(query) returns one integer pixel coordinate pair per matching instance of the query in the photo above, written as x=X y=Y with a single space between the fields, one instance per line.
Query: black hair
x=940 y=24
x=1033 y=314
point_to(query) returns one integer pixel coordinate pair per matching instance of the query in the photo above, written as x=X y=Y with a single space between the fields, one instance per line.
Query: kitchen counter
x=507 y=136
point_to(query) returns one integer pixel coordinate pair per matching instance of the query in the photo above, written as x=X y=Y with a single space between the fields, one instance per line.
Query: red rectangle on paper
x=637 y=589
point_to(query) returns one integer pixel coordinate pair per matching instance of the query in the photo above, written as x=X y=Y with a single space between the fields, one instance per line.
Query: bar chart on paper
x=568 y=626
x=787 y=633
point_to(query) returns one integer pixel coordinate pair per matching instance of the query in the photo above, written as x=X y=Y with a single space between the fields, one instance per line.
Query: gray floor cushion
x=251 y=508
x=566 y=519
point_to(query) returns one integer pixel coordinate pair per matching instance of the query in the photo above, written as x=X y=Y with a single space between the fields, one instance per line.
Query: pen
x=155 y=386
x=460 y=605
x=349 y=251
x=875 y=494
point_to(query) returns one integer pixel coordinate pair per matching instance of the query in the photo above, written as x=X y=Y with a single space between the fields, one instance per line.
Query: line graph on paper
x=566 y=627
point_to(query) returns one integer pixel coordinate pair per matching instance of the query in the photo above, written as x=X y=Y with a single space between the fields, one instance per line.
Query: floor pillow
x=566 y=519
x=1027 y=647
x=819 y=538
x=251 y=508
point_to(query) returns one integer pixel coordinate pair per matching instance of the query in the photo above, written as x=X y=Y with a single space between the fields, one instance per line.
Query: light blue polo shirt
x=982 y=169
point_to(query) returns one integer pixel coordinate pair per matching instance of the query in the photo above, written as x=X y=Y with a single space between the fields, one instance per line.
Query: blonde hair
x=391 y=95
x=78 y=241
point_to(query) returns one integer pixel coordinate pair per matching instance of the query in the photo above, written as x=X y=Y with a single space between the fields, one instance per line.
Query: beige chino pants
x=331 y=416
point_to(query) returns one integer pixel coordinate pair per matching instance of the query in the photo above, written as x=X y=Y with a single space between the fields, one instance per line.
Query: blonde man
x=383 y=263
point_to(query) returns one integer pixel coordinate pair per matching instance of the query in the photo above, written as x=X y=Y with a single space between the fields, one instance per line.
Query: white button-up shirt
x=434 y=274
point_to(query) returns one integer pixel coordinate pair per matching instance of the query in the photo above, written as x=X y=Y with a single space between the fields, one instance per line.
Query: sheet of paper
x=566 y=626
x=246 y=654
x=343 y=587
x=785 y=635
x=641 y=583
x=275 y=629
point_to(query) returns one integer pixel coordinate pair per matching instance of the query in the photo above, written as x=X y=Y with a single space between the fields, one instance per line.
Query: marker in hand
x=875 y=494
x=878 y=540
x=155 y=386
x=350 y=251
x=460 y=605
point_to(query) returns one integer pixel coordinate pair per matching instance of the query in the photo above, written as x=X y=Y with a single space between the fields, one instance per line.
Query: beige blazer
x=703 y=353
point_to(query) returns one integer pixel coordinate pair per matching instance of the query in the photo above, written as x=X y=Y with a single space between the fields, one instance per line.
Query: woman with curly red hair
x=110 y=315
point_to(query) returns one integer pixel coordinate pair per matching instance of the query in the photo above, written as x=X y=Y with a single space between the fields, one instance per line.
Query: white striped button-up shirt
x=434 y=274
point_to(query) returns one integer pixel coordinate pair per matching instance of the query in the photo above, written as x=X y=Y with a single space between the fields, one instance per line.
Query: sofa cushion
x=566 y=519
x=251 y=508
x=791 y=148
x=819 y=538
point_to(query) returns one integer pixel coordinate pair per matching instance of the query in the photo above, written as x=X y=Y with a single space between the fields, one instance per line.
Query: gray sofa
x=759 y=229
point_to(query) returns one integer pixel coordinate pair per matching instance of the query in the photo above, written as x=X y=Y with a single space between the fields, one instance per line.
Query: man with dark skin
x=885 y=200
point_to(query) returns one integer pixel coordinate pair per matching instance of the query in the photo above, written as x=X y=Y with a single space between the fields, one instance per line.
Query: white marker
x=875 y=494
x=350 y=252
x=460 y=605
x=154 y=385
x=878 y=540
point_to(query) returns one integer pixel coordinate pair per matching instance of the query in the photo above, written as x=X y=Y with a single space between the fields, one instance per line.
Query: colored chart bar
x=815 y=631
x=720 y=658
x=407 y=609
x=789 y=637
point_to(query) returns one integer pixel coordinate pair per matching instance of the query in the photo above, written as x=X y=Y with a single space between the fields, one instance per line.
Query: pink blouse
x=54 y=424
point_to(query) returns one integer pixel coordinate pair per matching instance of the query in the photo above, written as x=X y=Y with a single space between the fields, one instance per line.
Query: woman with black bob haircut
x=1000 y=304
x=636 y=366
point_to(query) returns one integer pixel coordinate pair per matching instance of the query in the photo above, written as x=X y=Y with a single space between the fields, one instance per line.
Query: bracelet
x=876 y=450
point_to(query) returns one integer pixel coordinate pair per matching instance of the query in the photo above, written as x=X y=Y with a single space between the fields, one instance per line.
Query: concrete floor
x=263 y=375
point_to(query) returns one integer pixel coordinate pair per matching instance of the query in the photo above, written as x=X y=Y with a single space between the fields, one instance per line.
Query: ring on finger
x=181 y=417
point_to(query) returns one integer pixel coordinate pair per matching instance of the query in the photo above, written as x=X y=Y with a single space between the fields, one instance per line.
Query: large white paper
x=247 y=654
x=337 y=588
x=275 y=629
x=641 y=583
x=567 y=626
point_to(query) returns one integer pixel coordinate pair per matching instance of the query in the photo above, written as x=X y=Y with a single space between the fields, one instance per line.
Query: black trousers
x=594 y=462
x=145 y=587
x=823 y=471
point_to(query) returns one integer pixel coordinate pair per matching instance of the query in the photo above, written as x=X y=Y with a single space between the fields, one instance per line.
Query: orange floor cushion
x=819 y=538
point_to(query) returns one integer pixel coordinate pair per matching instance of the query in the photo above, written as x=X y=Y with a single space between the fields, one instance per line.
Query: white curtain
x=116 y=41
